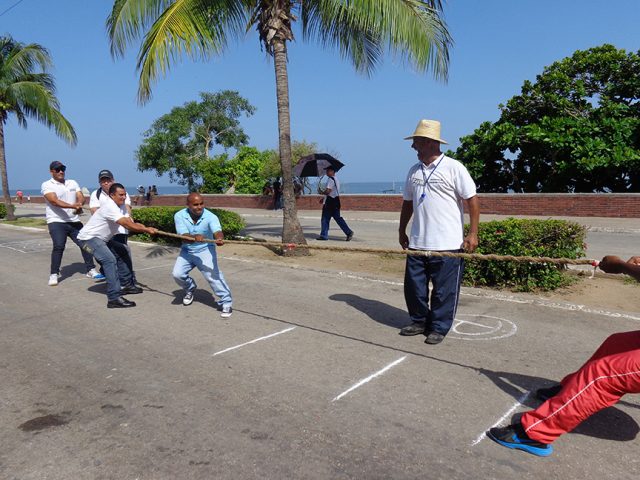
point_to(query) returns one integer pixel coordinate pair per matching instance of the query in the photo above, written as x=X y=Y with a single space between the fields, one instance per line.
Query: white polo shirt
x=437 y=192
x=97 y=202
x=102 y=224
x=67 y=193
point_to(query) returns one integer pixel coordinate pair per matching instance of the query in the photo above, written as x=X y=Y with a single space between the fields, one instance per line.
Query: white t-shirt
x=97 y=202
x=103 y=224
x=438 y=215
x=67 y=193
x=334 y=184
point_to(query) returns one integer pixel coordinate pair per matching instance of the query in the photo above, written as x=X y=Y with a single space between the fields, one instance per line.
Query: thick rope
x=427 y=253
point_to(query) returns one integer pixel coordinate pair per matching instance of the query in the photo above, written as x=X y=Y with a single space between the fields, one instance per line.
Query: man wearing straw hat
x=435 y=191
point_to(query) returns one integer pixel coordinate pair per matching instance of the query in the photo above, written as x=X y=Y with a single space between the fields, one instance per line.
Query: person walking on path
x=19 y=195
x=97 y=239
x=331 y=207
x=277 y=195
x=611 y=372
x=64 y=201
x=200 y=224
x=434 y=193
x=98 y=198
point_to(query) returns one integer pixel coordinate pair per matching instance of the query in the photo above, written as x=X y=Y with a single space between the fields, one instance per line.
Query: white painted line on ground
x=369 y=378
x=253 y=341
x=515 y=406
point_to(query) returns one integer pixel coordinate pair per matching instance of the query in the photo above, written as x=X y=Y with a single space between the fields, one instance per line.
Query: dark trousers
x=331 y=209
x=445 y=275
x=114 y=258
x=59 y=231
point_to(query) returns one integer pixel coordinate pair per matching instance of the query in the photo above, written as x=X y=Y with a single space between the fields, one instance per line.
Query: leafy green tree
x=178 y=142
x=246 y=169
x=576 y=129
x=360 y=30
x=27 y=91
x=299 y=149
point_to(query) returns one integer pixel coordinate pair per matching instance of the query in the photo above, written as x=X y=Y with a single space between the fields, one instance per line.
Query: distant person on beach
x=19 y=195
x=154 y=190
x=611 y=372
x=140 y=196
x=331 y=207
x=277 y=194
x=148 y=195
x=64 y=201
x=434 y=193
x=200 y=224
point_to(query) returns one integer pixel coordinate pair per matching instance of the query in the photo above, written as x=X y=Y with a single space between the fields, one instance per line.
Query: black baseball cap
x=105 y=174
x=56 y=164
x=330 y=167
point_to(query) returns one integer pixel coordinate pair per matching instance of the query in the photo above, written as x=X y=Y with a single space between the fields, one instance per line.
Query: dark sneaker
x=349 y=237
x=434 y=338
x=513 y=436
x=131 y=290
x=322 y=238
x=416 y=328
x=188 y=298
x=120 y=302
x=545 y=394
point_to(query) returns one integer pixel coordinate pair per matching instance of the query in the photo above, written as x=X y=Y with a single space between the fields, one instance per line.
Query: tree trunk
x=3 y=173
x=291 y=229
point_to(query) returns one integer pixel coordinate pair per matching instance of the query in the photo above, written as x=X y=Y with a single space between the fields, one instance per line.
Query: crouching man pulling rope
x=97 y=238
x=611 y=372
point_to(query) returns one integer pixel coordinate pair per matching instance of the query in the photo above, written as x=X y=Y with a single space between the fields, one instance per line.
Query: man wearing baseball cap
x=64 y=201
x=98 y=198
x=435 y=191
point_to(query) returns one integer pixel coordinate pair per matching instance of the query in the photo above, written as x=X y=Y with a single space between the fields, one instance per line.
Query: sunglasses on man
x=60 y=169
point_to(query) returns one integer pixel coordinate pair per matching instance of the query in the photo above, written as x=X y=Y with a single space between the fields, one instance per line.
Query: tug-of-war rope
x=426 y=253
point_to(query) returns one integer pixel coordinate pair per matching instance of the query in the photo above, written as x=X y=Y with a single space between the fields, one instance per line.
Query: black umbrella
x=314 y=165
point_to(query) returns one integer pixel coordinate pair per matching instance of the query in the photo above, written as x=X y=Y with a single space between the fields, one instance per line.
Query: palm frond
x=129 y=19
x=361 y=30
x=33 y=100
x=196 y=28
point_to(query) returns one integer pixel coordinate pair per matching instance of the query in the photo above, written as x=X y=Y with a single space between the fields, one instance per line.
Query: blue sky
x=498 y=44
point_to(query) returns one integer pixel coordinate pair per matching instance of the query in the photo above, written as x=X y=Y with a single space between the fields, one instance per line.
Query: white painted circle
x=481 y=327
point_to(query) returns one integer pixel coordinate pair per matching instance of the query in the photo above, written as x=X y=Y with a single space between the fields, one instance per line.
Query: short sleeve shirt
x=103 y=224
x=67 y=192
x=437 y=192
x=206 y=225
x=96 y=201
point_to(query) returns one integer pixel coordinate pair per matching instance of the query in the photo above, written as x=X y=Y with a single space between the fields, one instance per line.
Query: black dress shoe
x=120 y=302
x=131 y=290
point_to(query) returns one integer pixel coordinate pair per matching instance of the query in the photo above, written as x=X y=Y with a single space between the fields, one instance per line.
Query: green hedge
x=162 y=219
x=523 y=237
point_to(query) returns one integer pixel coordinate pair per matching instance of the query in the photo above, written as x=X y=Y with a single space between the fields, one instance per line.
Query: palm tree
x=361 y=30
x=26 y=90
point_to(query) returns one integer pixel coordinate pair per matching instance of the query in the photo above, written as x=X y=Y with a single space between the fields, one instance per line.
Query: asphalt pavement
x=308 y=379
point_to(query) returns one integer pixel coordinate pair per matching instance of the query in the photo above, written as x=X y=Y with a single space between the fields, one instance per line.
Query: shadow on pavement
x=67 y=270
x=375 y=310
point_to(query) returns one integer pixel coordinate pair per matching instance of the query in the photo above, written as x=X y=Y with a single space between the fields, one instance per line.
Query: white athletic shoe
x=96 y=275
x=187 y=299
x=226 y=311
x=53 y=279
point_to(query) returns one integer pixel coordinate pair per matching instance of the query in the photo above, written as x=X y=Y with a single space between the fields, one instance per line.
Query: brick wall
x=625 y=205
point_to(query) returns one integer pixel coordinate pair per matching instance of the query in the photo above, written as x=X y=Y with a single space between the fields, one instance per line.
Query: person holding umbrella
x=331 y=207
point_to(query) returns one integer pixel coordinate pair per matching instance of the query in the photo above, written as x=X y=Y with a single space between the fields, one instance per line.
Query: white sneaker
x=96 y=275
x=187 y=299
x=226 y=311
x=53 y=279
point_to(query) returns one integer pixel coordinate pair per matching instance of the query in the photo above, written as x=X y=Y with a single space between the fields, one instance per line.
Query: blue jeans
x=207 y=263
x=59 y=231
x=331 y=209
x=445 y=273
x=114 y=259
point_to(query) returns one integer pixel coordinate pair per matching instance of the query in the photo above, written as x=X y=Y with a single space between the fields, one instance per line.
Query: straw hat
x=429 y=129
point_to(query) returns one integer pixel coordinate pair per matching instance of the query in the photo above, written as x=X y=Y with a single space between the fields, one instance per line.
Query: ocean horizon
x=389 y=188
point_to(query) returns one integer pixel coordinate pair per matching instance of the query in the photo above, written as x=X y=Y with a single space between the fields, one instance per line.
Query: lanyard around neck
x=425 y=179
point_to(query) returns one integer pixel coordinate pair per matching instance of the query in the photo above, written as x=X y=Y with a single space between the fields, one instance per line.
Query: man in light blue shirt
x=200 y=224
